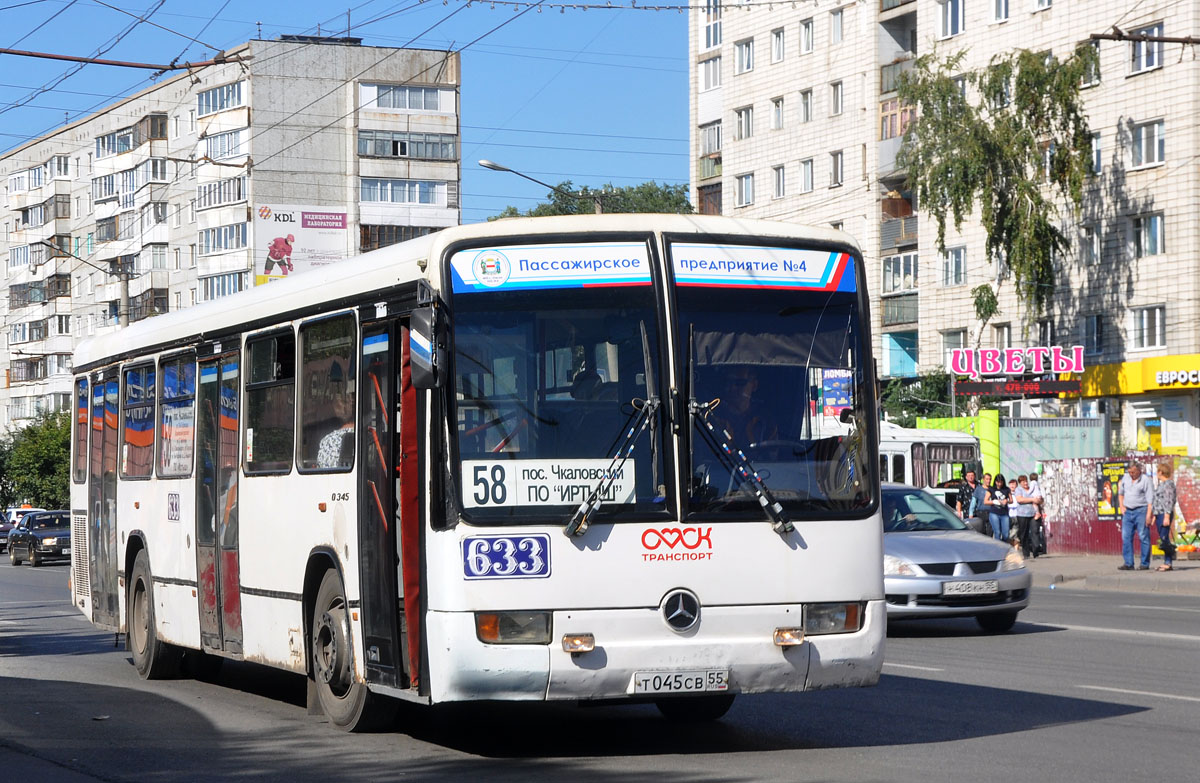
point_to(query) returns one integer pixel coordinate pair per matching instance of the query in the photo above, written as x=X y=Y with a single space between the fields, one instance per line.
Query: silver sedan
x=935 y=566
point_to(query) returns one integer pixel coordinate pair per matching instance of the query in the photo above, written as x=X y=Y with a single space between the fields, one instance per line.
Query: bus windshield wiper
x=643 y=418
x=724 y=446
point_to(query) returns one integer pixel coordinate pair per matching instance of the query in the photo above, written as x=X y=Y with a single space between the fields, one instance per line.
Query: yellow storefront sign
x=1158 y=373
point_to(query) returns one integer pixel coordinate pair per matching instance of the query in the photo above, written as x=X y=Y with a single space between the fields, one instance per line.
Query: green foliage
x=986 y=304
x=36 y=462
x=979 y=144
x=646 y=197
x=928 y=396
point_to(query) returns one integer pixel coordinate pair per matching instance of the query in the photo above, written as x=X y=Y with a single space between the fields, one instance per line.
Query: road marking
x=1139 y=693
x=910 y=666
x=1125 y=632
x=1161 y=608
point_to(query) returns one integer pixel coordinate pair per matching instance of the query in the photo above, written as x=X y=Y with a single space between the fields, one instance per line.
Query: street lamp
x=487 y=164
x=123 y=274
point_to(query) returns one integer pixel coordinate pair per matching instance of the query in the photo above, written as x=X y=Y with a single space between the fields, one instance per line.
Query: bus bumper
x=632 y=644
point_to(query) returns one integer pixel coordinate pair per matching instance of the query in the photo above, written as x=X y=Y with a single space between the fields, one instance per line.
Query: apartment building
x=794 y=116
x=295 y=153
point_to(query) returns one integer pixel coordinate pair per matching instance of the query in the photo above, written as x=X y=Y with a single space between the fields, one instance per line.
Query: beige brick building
x=794 y=117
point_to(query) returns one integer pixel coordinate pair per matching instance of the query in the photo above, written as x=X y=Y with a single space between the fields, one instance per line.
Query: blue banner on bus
x=746 y=266
x=520 y=267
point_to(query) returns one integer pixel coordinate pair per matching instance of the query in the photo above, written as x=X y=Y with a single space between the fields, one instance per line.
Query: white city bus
x=934 y=460
x=497 y=462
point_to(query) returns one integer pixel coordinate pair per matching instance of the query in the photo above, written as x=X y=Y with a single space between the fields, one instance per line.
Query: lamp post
x=487 y=164
x=122 y=274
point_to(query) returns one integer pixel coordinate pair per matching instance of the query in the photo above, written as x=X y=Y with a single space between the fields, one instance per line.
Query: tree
x=37 y=462
x=927 y=396
x=1000 y=142
x=646 y=197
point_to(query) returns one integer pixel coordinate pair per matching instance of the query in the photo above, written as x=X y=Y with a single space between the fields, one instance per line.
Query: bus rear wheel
x=695 y=709
x=349 y=704
x=153 y=658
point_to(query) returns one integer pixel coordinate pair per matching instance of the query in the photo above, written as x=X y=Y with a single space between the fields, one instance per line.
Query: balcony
x=896 y=233
x=887 y=5
x=889 y=74
x=900 y=309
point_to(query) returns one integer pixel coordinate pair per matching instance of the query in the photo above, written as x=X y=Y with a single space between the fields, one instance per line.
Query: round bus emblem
x=681 y=610
x=491 y=268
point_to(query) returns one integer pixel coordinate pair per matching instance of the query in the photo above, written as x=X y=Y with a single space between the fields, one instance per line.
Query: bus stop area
x=1099 y=572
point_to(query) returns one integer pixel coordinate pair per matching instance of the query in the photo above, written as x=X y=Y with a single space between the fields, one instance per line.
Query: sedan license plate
x=66 y=550
x=982 y=587
x=681 y=682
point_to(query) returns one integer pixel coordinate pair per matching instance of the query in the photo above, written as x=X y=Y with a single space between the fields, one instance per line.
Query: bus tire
x=695 y=709
x=349 y=705
x=153 y=658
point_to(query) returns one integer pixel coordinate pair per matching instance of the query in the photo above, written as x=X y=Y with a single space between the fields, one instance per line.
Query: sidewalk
x=1099 y=572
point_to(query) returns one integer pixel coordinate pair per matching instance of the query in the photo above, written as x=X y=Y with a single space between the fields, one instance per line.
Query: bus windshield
x=549 y=379
x=778 y=374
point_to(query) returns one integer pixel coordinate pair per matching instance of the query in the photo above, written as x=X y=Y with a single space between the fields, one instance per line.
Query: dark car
x=9 y=520
x=40 y=537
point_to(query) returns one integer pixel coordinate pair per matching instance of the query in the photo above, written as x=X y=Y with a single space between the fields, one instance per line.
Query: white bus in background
x=934 y=460
x=498 y=463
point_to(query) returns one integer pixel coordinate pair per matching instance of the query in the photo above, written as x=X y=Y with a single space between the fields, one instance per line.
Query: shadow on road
x=958 y=626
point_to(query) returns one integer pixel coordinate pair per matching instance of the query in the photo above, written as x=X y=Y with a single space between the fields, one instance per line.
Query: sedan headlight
x=895 y=566
x=49 y=542
x=1013 y=561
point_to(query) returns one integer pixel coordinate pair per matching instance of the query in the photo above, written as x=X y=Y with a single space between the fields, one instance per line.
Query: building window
x=952 y=17
x=404 y=191
x=1148 y=236
x=709 y=197
x=227 y=96
x=114 y=143
x=1002 y=335
x=1045 y=332
x=1042 y=5
x=835 y=98
x=900 y=273
x=779 y=182
x=776 y=113
x=999 y=10
x=427 y=99
x=1089 y=245
x=745 y=190
x=950 y=341
x=710 y=150
x=1091 y=75
x=835 y=26
x=222 y=238
x=806 y=36
x=372 y=237
x=710 y=74
x=224 y=145
x=1149 y=144
x=1146 y=55
x=743 y=60
x=1149 y=327
x=215 y=194
x=745 y=123
x=806 y=175
x=835 y=169
x=954 y=266
x=777 y=45
x=1097 y=155
x=227 y=284
x=712 y=24
x=894 y=119
x=397 y=144
x=1093 y=334
x=806 y=106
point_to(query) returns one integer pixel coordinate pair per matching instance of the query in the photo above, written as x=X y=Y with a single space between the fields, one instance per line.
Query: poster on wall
x=835 y=391
x=292 y=238
x=1108 y=477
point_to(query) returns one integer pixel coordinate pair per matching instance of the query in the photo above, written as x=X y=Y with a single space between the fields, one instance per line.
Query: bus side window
x=137 y=432
x=327 y=393
x=898 y=468
x=883 y=467
x=270 y=403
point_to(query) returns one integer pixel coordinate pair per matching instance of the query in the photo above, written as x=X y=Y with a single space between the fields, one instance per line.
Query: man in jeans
x=1135 y=495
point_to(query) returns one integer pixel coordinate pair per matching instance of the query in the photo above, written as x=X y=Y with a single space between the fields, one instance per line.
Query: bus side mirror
x=426 y=352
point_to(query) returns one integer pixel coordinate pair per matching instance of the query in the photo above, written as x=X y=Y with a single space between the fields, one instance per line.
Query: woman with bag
x=1164 y=516
x=998 y=498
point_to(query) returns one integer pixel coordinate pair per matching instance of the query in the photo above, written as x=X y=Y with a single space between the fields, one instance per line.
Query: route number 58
x=489 y=485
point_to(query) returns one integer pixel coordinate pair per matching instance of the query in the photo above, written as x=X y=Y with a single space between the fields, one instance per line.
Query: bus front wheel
x=348 y=704
x=153 y=658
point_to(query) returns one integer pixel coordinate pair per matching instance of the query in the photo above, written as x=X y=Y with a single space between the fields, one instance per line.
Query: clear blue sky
x=592 y=96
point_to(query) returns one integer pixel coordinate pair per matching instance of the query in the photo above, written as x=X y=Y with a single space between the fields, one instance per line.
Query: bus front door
x=102 y=502
x=387 y=521
x=217 y=567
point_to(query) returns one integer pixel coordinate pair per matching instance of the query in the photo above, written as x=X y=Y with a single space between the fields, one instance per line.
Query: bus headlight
x=895 y=566
x=513 y=627
x=832 y=618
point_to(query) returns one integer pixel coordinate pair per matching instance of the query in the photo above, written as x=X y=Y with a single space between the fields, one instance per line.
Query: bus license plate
x=681 y=682
x=984 y=587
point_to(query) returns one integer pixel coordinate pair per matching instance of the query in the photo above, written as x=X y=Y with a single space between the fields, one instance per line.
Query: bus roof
x=346 y=283
x=889 y=431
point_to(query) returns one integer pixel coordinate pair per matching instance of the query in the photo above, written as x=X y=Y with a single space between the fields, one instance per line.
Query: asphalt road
x=1090 y=686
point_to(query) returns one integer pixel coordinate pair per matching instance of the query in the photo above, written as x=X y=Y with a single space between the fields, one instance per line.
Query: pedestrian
x=1023 y=510
x=998 y=499
x=1135 y=494
x=1037 y=538
x=1164 y=514
x=966 y=493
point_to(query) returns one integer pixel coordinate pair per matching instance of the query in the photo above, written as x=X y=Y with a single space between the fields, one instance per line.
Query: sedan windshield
x=553 y=374
x=778 y=384
x=909 y=510
x=40 y=522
